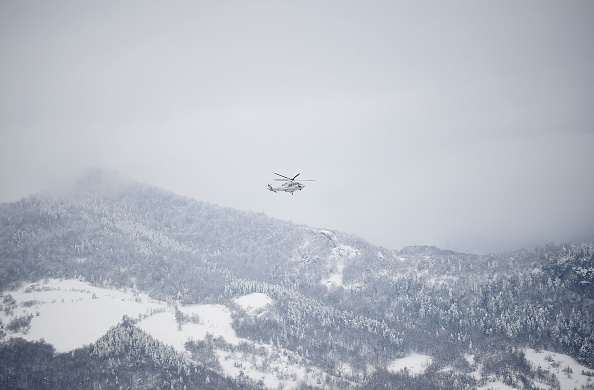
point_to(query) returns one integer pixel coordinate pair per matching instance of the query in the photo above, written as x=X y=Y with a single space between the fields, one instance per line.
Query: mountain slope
x=339 y=303
x=125 y=357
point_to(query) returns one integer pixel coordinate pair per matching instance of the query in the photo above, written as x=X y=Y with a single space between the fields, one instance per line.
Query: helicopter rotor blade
x=282 y=179
x=282 y=176
x=288 y=178
x=293 y=180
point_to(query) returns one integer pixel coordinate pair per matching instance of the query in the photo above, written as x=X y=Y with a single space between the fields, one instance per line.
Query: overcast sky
x=463 y=124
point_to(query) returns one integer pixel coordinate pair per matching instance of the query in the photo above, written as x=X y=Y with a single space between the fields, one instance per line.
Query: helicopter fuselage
x=290 y=186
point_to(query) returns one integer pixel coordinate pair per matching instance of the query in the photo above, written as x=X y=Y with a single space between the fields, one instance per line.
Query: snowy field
x=414 y=363
x=568 y=371
x=255 y=303
x=495 y=384
x=213 y=319
x=71 y=313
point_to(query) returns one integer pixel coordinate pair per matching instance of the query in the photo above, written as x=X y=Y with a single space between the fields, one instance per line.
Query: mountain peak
x=102 y=181
x=92 y=181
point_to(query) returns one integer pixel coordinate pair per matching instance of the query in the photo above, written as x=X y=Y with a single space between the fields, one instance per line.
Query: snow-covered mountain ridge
x=334 y=308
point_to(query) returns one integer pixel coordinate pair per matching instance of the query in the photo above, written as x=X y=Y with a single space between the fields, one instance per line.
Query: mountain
x=249 y=301
x=125 y=357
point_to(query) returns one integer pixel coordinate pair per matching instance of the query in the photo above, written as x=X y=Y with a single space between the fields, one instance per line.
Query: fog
x=466 y=125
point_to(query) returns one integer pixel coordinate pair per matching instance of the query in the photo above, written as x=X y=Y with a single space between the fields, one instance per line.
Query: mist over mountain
x=332 y=309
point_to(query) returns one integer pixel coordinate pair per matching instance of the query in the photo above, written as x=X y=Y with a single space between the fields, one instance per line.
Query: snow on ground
x=163 y=327
x=271 y=365
x=470 y=359
x=281 y=370
x=568 y=371
x=213 y=319
x=414 y=363
x=476 y=373
x=495 y=385
x=336 y=263
x=70 y=313
x=254 y=303
x=442 y=280
x=334 y=280
x=331 y=236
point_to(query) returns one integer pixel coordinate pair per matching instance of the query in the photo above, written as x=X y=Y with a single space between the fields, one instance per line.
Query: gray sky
x=463 y=124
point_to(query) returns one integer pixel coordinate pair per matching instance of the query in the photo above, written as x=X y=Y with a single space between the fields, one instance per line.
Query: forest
x=385 y=304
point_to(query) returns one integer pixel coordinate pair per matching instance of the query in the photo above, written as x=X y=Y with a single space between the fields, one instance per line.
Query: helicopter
x=290 y=186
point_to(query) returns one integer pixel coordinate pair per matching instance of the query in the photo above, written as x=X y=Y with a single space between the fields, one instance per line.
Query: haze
x=467 y=125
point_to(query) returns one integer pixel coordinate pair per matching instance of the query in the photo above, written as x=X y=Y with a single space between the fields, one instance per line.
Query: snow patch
x=345 y=251
x=328 y=234
x=70 y=313
x=495 y=385
x=163 y=327
x=212 y=319
x=470 y=359
x=285 y=370
x=442 y=280
x=254 y=303
x=334 y=280
x=568 y=371
x=336 y=263
x=414 y=363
